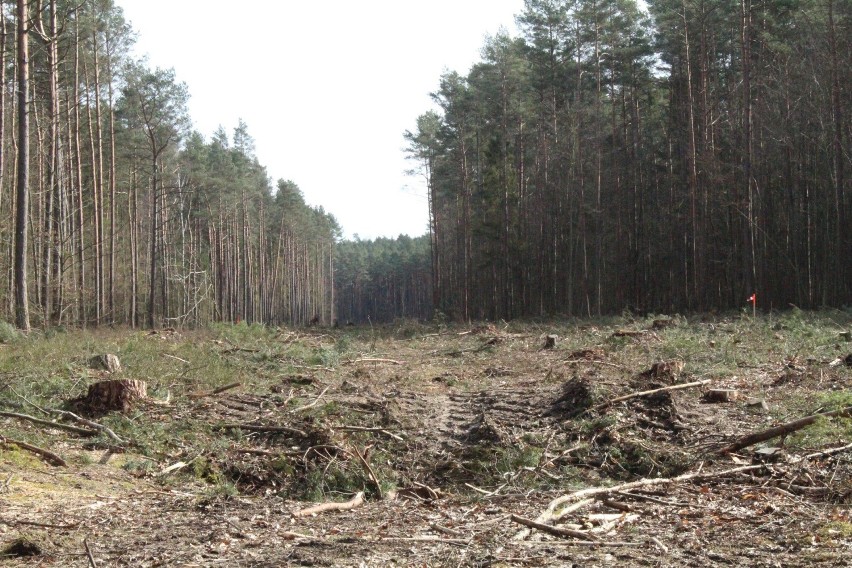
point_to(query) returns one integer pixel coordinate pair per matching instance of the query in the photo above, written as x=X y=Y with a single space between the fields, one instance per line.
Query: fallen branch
x=90 y=424
x=370 y=473
x=594 y=362
x=259 y=428
x=550 y=529
x=366 y=429
x=547 y=515
x=551 y=514
x=184 y=361
x=46 y=454
x=828 y=452
x=89 y=553
x=49 y=424
x=373 y=360
x=217 y=391
x=649 y=392
x=314 y=403
x=781 y=430
x=356 y=501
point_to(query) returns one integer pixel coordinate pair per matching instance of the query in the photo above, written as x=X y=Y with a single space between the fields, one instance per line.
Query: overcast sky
x=327 y=88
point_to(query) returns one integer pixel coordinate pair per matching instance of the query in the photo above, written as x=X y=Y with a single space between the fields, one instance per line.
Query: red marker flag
x=753 y=298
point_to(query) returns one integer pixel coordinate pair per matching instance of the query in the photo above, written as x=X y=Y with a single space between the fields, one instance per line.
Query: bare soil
x=449 y=434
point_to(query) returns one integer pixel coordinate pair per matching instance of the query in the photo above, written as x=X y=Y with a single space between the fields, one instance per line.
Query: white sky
x=326 y=87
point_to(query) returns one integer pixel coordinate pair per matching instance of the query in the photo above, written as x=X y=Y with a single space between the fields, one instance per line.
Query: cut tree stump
x=550 y=341
x=106 y=396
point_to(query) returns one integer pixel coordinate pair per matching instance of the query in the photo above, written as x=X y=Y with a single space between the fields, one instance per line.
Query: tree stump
x=550 y=341
x=105 y=396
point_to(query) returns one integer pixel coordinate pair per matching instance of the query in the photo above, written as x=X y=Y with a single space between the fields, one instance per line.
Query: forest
x=606 y=158
x=113 y=211
x=676 y=160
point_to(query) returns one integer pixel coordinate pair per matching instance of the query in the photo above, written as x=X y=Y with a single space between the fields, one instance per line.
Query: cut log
x=106 y=396
x=721 y=395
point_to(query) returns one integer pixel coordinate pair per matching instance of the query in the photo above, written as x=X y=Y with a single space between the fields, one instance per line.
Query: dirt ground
x=454 y=438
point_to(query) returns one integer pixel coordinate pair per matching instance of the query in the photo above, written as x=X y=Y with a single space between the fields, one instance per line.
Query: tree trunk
x=22 y=313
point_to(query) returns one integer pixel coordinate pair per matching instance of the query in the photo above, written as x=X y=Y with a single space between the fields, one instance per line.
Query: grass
x=47 y=369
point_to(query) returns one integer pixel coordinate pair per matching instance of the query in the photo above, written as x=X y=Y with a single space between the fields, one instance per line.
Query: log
x=49 y=456
x=781 y=430
x=721 y=395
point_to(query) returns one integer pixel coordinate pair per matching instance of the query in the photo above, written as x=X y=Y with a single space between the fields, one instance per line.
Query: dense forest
x=383 y=279
x=112 y=211
x=677 y=160
x=606 y=158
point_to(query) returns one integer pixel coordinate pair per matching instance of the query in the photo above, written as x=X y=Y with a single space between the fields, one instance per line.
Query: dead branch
x=89 y=553
x=650 y=392
x=366 y=429
x=49 y=424
x=781 y=430
x=551 y=514
x=356 y=501
x=90 y=424
x=260 y=428
x=49 y=456
x=373 y=360
x=829 y=452
x=550 y=529
x=547 y=515
x=314 y=403
x=370 y=473
x=593 y=362
x=217 y=391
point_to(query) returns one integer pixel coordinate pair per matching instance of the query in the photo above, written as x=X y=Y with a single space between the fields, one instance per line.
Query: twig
x=787 y=428
x=295 y=535
x=6 y=483
x=447 y=531
x=89 y=553
x=357 y=500
x=314 y=403
x=174 y=357
x=649 y=392
x=37 y=524
x=555 y=531
x=48 y=423
x=46 y=454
